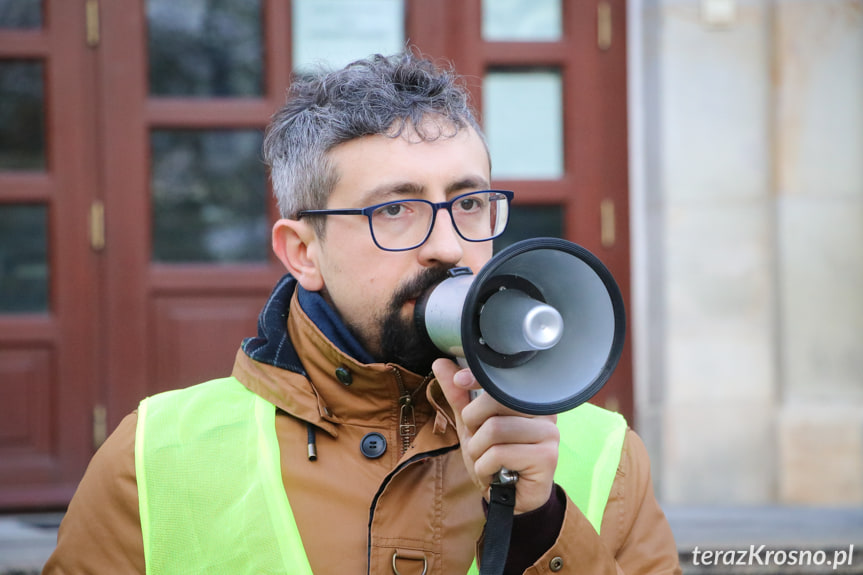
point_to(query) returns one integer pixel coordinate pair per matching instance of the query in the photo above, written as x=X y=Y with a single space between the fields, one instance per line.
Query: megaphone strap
x=498 y=528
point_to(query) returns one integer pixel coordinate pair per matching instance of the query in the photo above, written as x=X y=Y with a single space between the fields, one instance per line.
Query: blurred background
x=747 y=210
x=710 y=152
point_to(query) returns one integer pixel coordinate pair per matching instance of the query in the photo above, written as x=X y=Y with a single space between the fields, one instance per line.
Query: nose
x=443 y=244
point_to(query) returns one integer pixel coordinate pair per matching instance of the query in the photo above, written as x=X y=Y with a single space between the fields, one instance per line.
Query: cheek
x=358 y=274
x=477 y=255
x=357 y=285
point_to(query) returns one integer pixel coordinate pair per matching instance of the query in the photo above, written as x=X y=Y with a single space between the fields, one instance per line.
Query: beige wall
x=747 y=203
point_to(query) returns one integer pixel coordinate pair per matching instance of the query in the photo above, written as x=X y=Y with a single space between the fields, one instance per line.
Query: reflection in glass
x=523 y=117
x=521 y=20
x=334 y=33
x=20 y=14
x=22 y=116
x=23 y=259
x=531 y=222
x=205 y=48
x=209 y=196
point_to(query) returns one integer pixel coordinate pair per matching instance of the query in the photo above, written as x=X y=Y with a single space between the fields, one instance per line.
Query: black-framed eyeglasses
x=403 y=225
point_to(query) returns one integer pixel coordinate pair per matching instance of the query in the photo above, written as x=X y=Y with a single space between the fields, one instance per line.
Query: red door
x=49 y=289
x=135 y=210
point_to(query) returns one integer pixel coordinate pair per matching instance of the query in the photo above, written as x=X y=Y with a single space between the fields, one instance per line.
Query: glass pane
x=22 y=116
x=334 y=33
x=23 y=259
x=527 y=222
x=20 y=13
x=205 y=48
x=523 y=117
x=521 y=20
x=209 y=192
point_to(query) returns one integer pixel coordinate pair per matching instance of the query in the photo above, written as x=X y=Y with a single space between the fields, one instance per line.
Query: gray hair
x=380 y=95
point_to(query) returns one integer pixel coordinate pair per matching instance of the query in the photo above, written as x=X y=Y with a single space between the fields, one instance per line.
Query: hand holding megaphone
x=541 y=328
x=494 y=436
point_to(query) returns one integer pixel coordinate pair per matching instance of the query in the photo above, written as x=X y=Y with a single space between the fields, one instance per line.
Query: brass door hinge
x=607 y=224
x=603 y=25
x=100 y=425
x=91 y=18
x=97 y=226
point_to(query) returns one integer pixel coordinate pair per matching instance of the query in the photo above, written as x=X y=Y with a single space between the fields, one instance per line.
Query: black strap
x=498 y=528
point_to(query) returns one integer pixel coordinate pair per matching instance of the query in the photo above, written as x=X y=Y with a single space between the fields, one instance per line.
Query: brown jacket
x=355 y=513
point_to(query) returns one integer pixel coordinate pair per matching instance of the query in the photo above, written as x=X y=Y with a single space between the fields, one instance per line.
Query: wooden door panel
x=27 y=379
x=197 y=337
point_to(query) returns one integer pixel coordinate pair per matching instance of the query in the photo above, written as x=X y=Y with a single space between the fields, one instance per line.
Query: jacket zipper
x=407 y=420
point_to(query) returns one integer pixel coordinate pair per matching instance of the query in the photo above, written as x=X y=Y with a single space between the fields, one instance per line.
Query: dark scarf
x=273 y=344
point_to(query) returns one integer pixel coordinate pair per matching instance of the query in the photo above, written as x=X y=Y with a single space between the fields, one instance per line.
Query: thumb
x=448 y=373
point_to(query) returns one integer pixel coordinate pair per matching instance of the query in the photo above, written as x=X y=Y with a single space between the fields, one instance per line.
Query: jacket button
x=556 y=564
x=373 y=445
x=344 y=375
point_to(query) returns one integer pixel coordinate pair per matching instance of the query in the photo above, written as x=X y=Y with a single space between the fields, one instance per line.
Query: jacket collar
x=299 y=362
x=273 y=345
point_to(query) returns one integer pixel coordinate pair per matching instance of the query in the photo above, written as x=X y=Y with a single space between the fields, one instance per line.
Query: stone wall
x=747 y=200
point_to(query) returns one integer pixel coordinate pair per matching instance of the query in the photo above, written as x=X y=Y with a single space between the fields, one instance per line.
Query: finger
x=457 y=395
x=485 y=407
x=534 y=463
x=466 y=380
x=512 y=430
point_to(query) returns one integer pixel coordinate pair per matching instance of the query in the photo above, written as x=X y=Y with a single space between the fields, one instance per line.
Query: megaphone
x=541 y=326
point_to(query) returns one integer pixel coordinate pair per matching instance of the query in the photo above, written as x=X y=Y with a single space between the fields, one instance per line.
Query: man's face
x=375 y=290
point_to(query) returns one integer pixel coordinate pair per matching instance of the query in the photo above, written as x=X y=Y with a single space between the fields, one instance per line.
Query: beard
x=401 y=339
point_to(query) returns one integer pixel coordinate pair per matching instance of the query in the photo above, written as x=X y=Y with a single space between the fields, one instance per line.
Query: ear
x=295 y=244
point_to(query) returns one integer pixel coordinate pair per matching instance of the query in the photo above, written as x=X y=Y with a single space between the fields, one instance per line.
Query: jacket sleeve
x=635 y=538
x=101 y=531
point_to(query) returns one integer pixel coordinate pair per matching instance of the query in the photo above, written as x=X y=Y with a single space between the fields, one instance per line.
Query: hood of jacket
x=306 y=362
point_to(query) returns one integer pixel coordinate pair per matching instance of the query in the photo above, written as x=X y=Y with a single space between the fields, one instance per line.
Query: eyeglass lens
x=406 y=224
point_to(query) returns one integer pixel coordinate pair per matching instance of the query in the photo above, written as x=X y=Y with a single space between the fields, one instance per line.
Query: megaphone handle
x=501 y=506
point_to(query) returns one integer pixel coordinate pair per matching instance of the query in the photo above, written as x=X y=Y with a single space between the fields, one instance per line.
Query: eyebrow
x=468 y=183
x=385 y=192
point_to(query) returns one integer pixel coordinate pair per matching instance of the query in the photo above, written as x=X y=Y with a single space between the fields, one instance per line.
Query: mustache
x=402 y=341
x=419 y=284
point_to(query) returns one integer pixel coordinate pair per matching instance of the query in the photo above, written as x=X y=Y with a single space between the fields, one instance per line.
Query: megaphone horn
x=541 y=326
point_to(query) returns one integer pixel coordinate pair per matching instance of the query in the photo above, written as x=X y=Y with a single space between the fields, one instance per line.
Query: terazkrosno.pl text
x=761 y=555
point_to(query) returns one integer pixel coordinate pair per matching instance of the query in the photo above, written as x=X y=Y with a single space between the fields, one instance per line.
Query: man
x=342 y=443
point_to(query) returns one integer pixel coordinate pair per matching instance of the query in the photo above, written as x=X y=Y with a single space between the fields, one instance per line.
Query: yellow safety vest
x=210 y=488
